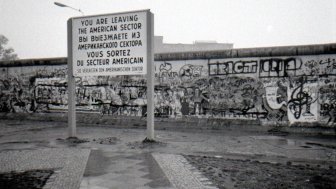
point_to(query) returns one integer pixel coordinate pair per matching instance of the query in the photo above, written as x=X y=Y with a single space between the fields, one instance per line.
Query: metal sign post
x=150 y=77
x=71 y=86
x=111 y=44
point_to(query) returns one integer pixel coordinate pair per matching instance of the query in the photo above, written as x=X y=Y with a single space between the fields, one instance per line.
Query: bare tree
x=6 y=53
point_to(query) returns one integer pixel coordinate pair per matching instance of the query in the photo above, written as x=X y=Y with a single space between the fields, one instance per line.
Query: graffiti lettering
x=278 y=67
x=329 y=66
x=228 y=68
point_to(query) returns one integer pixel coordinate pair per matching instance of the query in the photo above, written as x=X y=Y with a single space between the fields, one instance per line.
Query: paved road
x=118 y=158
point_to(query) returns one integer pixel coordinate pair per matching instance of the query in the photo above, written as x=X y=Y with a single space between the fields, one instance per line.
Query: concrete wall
x=283 y=85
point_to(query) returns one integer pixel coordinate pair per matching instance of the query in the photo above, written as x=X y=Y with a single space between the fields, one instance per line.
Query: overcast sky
x=37 y=28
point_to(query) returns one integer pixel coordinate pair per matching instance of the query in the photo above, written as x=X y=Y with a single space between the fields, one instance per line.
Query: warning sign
x=113 y=44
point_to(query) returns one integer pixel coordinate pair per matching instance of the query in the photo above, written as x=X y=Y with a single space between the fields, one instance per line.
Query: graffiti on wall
x=166 y=73
x=232 y=67
x=279 y=67
x=328 y=66
x=270 y=89
x=12 y=97
x=236 y=97
x=275 y=99
x=327 y=100
x=302 y=103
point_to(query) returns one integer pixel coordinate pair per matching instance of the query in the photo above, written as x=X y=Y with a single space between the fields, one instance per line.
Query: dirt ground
x=245 y=173
x=23 y=180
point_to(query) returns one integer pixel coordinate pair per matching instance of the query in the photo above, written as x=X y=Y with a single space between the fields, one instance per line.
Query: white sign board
x=113 y=44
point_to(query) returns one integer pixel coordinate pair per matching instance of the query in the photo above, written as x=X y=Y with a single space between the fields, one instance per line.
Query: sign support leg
x=71 y=106
x=150 y=78
x=71 y=87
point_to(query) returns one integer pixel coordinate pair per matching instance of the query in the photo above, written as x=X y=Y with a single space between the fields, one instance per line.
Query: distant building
x=160 y=47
